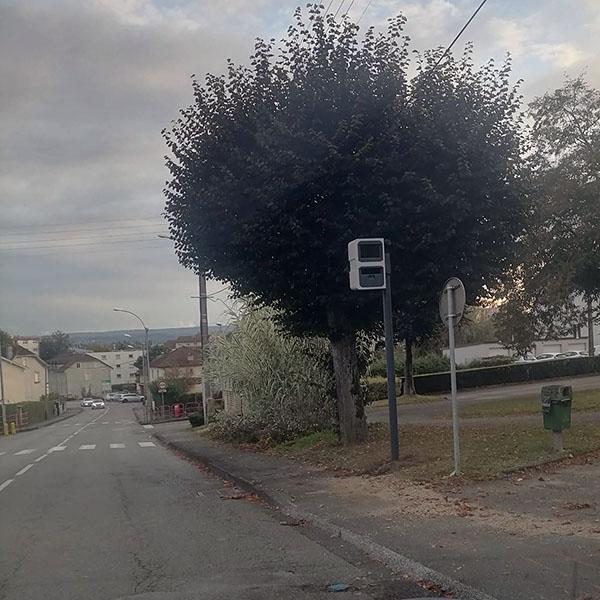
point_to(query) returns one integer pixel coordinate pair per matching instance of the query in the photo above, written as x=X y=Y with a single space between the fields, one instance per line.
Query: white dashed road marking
x=42 y=457
x=1 y=453
x=27 y=451
x=24 y=469
x=146 y=444
x=4 y=485
x=148 y=426
x=104 y=422
x=57 y=449
x=117 y=445
x=87 y=447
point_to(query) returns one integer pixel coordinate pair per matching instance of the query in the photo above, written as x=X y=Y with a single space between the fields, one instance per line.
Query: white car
x=526 y=359
x=98 y=404
x=131 y=398
x=547 y=356
x=87 y=402
x=112 y=396
x=574 y=354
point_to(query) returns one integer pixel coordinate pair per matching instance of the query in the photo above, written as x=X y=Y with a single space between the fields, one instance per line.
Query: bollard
x=5 y=429
x=13 y=428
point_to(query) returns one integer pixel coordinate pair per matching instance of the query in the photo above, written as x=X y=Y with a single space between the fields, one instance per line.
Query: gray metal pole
x=389 y=360
x=4 y=422
x=203 y=309
x=147 y=392
x=455 y=422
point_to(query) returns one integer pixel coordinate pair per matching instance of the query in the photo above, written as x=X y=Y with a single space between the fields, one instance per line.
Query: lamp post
x=145 y=361
x=4 y=421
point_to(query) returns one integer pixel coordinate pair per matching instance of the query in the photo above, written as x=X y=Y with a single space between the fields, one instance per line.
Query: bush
x=285 y=382
x=492 y=361
x=196 y=419
x=427 y=363
x=514 y=373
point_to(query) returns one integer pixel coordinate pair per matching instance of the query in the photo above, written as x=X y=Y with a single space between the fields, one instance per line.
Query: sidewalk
x=534 y=536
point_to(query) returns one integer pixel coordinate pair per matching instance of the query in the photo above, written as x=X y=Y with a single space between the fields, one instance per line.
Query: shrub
x=196 y=419
x=427 y=363
x=492 y=361
x=286 y=382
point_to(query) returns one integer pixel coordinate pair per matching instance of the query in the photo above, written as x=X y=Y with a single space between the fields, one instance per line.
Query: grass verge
x=584 y=400
x=426 y=450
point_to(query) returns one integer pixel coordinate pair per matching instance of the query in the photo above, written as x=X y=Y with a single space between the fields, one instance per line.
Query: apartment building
x=122 y=363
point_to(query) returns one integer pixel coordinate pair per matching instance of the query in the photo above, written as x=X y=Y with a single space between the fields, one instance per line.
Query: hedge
x=515 y=373
x=472 y=378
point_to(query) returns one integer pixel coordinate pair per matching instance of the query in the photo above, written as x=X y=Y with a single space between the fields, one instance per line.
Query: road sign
x=162 y=386
x=452 y=306
x=454 y=285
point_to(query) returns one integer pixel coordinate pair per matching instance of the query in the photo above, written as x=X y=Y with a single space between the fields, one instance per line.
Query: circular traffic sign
x=455 y=287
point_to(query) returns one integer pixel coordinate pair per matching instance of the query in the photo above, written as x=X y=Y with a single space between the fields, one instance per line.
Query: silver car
x=98 y=404
x=87 y=402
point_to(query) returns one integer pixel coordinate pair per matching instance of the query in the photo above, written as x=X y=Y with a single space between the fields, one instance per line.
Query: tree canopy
x=276 y=166
x=53 y=344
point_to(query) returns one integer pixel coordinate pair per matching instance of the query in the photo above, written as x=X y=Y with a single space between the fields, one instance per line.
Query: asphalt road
x=426 y=411
x=92 y=508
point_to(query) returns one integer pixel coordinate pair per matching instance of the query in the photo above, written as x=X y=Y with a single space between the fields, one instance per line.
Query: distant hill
x=157 y=336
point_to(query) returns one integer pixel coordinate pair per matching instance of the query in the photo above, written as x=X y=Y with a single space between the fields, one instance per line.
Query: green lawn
x=588 y=400
x=426 y=450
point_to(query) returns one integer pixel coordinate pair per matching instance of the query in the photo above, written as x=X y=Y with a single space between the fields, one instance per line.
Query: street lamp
x=145 y=362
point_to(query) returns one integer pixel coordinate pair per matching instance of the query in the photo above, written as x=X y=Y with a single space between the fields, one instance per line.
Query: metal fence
x=173 y=412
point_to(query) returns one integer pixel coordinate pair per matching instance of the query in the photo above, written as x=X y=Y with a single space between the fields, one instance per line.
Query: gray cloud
x=87 y=87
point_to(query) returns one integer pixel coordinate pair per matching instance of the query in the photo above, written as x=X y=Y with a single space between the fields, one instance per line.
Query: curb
x=391 y=559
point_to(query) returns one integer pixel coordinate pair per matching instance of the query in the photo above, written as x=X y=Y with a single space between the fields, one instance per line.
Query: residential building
x=24 y=375
x=184 y=341
x=30 y=343
x=122 y=363
x=74 y=375
x=182 y=362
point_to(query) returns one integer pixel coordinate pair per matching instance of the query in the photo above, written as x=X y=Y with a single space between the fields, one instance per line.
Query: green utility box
x=556 y=406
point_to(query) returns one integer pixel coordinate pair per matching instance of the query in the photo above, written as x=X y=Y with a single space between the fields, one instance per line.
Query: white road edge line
x=24 y=469
x=4 y=485
x=42 y=457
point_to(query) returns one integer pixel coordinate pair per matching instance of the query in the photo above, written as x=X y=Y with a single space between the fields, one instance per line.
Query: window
x=118 y=356
x=131 y=356
x=36 y=377
x=103 y=356
x=118 y=365
x=78 y=365
x=191 y=371
x=118 y=375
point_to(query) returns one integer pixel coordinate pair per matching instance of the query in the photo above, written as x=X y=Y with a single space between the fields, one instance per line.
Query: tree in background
x=54 y=344
x=177 y=388
x=6 y=340
x=155 y=351
x=277 y=166
x=561 y=253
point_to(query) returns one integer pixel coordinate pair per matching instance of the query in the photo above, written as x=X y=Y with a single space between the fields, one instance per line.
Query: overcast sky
x=86 y=87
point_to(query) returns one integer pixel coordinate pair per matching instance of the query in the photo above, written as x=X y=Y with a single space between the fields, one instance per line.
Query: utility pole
x=4 y=422
x=203 y=310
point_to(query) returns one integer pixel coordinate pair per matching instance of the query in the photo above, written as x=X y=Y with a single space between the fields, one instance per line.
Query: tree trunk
x=590 y=326
x=351 y=412
x=409 y=382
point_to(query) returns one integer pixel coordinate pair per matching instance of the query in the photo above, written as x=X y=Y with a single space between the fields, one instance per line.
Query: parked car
x=131 y=398
x=87 y=402
x=112 y=396
x=98 y=403
x=574 y=354
x=547 y=356
x=529 y=357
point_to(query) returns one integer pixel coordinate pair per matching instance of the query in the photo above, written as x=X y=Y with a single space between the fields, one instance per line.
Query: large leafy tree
x=276 y=166
x=53 y=344
x=561 y=254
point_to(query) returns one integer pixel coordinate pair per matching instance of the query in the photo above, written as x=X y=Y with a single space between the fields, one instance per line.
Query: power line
x=328 y=7
x=76 y=245
x=364 y=11
x=457 y=36
x=339 y=7
x=101 y=229
x=348 y=9
x=100 y=237
x=87 y=222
